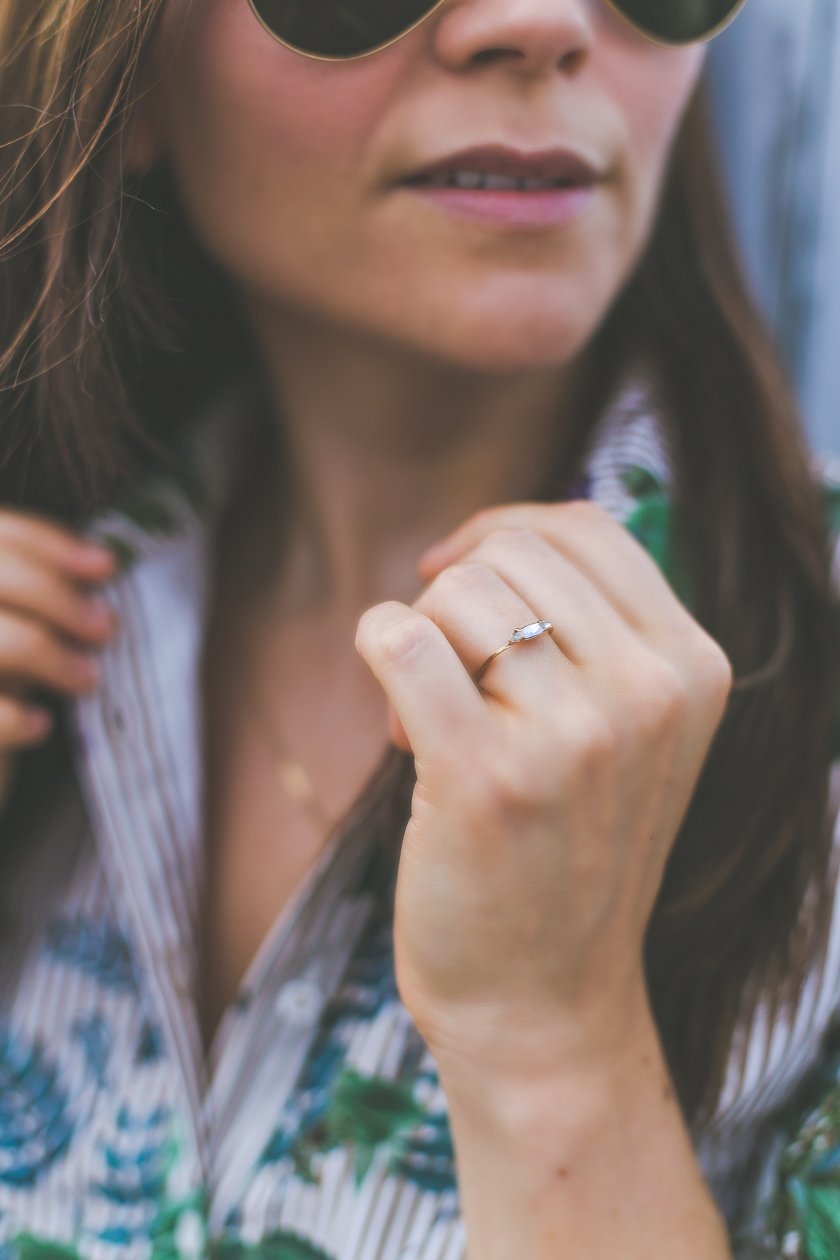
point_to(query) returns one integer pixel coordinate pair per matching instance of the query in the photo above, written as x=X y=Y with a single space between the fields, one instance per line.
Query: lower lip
x=546 y=207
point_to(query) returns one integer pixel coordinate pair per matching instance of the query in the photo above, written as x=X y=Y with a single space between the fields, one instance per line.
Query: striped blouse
x=315 y=1128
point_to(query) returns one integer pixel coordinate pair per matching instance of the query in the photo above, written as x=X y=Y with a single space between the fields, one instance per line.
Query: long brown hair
x=114 y=323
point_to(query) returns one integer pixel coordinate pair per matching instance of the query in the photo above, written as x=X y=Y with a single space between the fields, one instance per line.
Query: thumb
x=396 y=732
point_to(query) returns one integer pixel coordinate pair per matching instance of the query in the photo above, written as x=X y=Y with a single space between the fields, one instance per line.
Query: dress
x=317 y=1128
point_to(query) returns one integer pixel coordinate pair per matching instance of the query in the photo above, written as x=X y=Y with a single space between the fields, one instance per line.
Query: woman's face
x=288 y=167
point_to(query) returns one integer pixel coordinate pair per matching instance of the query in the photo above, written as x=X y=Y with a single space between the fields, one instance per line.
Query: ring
x=532 y=631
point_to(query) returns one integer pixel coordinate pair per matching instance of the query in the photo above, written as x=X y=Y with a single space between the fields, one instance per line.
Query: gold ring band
x=521 y=635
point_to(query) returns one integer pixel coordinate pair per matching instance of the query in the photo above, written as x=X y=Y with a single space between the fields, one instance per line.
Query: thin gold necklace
x=291 y=772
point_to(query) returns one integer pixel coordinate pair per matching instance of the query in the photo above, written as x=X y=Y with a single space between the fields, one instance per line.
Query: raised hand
x=548 y=797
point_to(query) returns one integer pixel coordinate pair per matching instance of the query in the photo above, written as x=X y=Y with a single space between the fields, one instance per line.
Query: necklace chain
x=291 y=772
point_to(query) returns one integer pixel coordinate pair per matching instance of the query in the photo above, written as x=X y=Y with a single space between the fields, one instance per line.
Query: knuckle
x=708 y=663
x=516 y=536
x=716 y=666
x=593 y=741
x=658 y=698
x=483 y=515
x=503 y=788
x=666 y=690
x=520 y=786
x=587 y=510
x=459 y=575
x=402 y=639
x=716 y=678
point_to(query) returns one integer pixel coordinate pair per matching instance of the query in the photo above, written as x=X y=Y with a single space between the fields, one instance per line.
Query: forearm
x=593 y=1163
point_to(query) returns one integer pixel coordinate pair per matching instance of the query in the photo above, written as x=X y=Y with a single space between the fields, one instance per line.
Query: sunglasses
x=338 y=30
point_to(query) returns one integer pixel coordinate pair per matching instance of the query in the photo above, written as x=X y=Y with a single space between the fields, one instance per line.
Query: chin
x=499 y=348
x=510 y=328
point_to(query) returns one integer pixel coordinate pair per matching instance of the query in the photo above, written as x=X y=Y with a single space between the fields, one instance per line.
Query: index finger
x=602 y=548
x=440 y=708
x=55 y=544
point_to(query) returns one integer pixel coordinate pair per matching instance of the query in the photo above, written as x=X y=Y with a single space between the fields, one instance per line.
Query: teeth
x=480 y=179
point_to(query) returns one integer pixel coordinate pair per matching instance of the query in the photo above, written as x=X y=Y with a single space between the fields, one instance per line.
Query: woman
x=506 y=983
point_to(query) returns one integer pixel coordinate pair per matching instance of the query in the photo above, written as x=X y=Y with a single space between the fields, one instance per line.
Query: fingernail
x=87 y=668
x=95 y=551
x=101 y=612
x=39 y=721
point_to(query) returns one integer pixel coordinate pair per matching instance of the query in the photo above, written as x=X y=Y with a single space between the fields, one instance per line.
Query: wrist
x=540 y=1156
x=524 y=1049
x=585 y=1073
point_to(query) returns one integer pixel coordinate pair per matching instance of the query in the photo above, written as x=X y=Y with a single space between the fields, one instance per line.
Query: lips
x=566 y=165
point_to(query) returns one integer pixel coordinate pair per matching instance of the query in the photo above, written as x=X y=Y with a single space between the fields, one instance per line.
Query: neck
x=381 y=452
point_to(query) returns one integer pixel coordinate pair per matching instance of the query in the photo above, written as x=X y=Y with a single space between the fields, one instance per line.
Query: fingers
x=618 y=567
x=31 y=586
x=477 y=610
x=426 y=657
x=606 y=553
x=31 y=652
x=54 y=546
x=586 y=626
x=622 y=587
x=434 y=698
x=50 y=619
x=22 y=724
x=512 y=577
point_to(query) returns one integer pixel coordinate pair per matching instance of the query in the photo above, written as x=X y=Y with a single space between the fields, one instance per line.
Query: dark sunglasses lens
x=339 y=28
x=677 y=21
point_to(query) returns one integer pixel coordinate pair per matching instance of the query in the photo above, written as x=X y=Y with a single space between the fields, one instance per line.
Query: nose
x=532 y=36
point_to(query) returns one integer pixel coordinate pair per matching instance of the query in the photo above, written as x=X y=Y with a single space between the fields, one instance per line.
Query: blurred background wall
x=774 y=76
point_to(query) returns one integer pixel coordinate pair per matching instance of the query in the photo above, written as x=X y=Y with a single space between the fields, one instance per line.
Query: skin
x=529 y=870
x=52 y=623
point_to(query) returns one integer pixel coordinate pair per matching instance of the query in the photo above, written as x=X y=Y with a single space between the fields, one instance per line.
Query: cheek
x=261 y=139
x=654 y=101
x=652 y=93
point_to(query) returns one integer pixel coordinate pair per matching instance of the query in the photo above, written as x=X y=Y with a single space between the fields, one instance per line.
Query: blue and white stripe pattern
x=316 y=1128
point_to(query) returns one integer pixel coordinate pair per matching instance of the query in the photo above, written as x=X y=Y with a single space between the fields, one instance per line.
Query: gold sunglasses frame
x=611 y=4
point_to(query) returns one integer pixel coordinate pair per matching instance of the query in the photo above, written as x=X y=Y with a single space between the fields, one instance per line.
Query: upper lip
x=500 y=159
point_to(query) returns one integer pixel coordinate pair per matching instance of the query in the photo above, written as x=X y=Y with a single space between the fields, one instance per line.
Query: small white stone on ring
x=530 y=631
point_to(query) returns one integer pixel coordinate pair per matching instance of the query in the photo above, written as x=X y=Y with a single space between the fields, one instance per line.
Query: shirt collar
x=627 y=460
